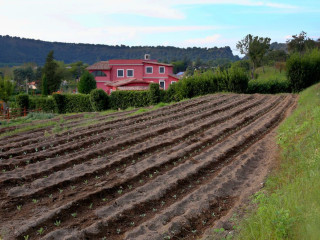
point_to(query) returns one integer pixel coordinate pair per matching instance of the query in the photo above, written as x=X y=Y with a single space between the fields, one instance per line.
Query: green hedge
x=269 y=86
x=99 y=100
x=154 y=93
x=233 y=80
x=22 y=101
x=303 y=71
x=70 y=103
x=125 y=99
x=46 y=104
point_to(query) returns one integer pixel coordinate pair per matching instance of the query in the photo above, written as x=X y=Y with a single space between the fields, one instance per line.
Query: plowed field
x=172 y=173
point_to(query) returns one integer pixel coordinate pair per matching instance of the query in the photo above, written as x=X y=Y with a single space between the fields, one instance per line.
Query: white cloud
x=234 y=2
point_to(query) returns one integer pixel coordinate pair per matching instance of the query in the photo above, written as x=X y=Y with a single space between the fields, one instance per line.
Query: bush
x=87 y=83
x=171 y=95
x=78 y=103
x=46 y=104
x=60 y=102
x=22 y=101
x=154 y=93
x=238 y=80
x=70 y=103
x=303 y=71
x=125 y=99
x=99 y=100
x=272 y=86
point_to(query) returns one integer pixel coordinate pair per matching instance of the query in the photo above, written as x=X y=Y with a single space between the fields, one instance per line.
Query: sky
x=179 y=23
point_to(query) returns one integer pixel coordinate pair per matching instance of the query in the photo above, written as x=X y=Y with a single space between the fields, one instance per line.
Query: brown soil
x=166 y=174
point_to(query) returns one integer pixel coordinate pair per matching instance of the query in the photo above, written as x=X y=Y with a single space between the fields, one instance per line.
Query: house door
x=162 y=84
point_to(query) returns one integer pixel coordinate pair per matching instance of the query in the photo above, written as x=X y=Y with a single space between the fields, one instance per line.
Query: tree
x=6 y=89
x=255 y=48
x=50 y=71
x=22 y=76
x=301 y=43
x=87 y=83
x=44 y=87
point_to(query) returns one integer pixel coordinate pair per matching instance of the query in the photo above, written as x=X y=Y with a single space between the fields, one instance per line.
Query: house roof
x=107 y=65
x=157 y=63
x=174 y=76
x=103 y=65
x=125 y=82
x=136 y=88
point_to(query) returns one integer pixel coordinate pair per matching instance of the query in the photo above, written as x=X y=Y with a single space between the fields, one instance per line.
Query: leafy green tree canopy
x=301 y=43
x=86 y=83
x=6 y=89
x=255 y=48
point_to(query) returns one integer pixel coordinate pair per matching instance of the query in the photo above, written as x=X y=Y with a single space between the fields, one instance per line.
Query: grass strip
x=289 y=205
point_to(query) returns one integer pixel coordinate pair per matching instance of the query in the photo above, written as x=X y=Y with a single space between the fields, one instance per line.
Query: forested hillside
x=15 y=51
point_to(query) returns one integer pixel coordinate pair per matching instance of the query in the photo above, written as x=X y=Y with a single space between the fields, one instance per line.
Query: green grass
x=28 y=128
x=270 y=73
x=155 y=107
x=27 y=119
x=289 y=206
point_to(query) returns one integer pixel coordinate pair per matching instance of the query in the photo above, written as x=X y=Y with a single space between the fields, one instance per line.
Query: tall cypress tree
x=44 y=88
x=50 y=71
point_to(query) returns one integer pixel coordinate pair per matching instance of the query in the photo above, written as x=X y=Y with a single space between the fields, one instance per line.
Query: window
x=162 y=84
x=99 y=74
x=120 y=73
x=149 y=69
x=173 y=82
x=130 y=73
x=161 y=69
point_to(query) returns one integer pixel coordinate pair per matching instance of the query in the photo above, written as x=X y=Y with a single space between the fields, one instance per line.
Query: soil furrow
x=57 y=150
x=114 y=215
x=80 y=135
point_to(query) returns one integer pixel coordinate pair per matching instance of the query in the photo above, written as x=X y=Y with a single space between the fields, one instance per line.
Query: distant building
x=132 y=74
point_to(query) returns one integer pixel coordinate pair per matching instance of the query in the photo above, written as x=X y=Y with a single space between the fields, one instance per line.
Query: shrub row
x=271 y=86
x=232 y=80
x=303 y=70
x=125 y=99
x=69 y=103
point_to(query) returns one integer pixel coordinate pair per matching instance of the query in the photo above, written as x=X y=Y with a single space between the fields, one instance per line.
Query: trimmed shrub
x=46 y=104
x=154 y=93
x=99 y=100
x=238 y=80
x=125 y=99
x=22 y=101
x=271 y=86
x=70 y=103
x=303 y=71
x=60 y=103
x=77 y=103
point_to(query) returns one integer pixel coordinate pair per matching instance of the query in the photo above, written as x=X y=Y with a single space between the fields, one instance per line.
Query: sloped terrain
x=165 y=174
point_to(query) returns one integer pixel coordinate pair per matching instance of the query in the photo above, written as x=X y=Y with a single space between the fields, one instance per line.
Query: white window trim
x=118 y=72
x=173 y=82
x=151 y=69
x=132 y=72
x=164 y=84
x=164 y=69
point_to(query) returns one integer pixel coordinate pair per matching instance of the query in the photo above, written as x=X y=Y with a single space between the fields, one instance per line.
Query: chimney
x=147 y=57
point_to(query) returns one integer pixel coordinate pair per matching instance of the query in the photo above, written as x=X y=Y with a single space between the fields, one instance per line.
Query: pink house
x=132 y=74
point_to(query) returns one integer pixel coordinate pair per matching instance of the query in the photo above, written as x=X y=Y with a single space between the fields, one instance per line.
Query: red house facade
x=132 y=74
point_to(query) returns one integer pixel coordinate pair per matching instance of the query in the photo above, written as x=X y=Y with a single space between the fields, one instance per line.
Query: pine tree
x=87 y=83
x=50 y=71
x=44 y=88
